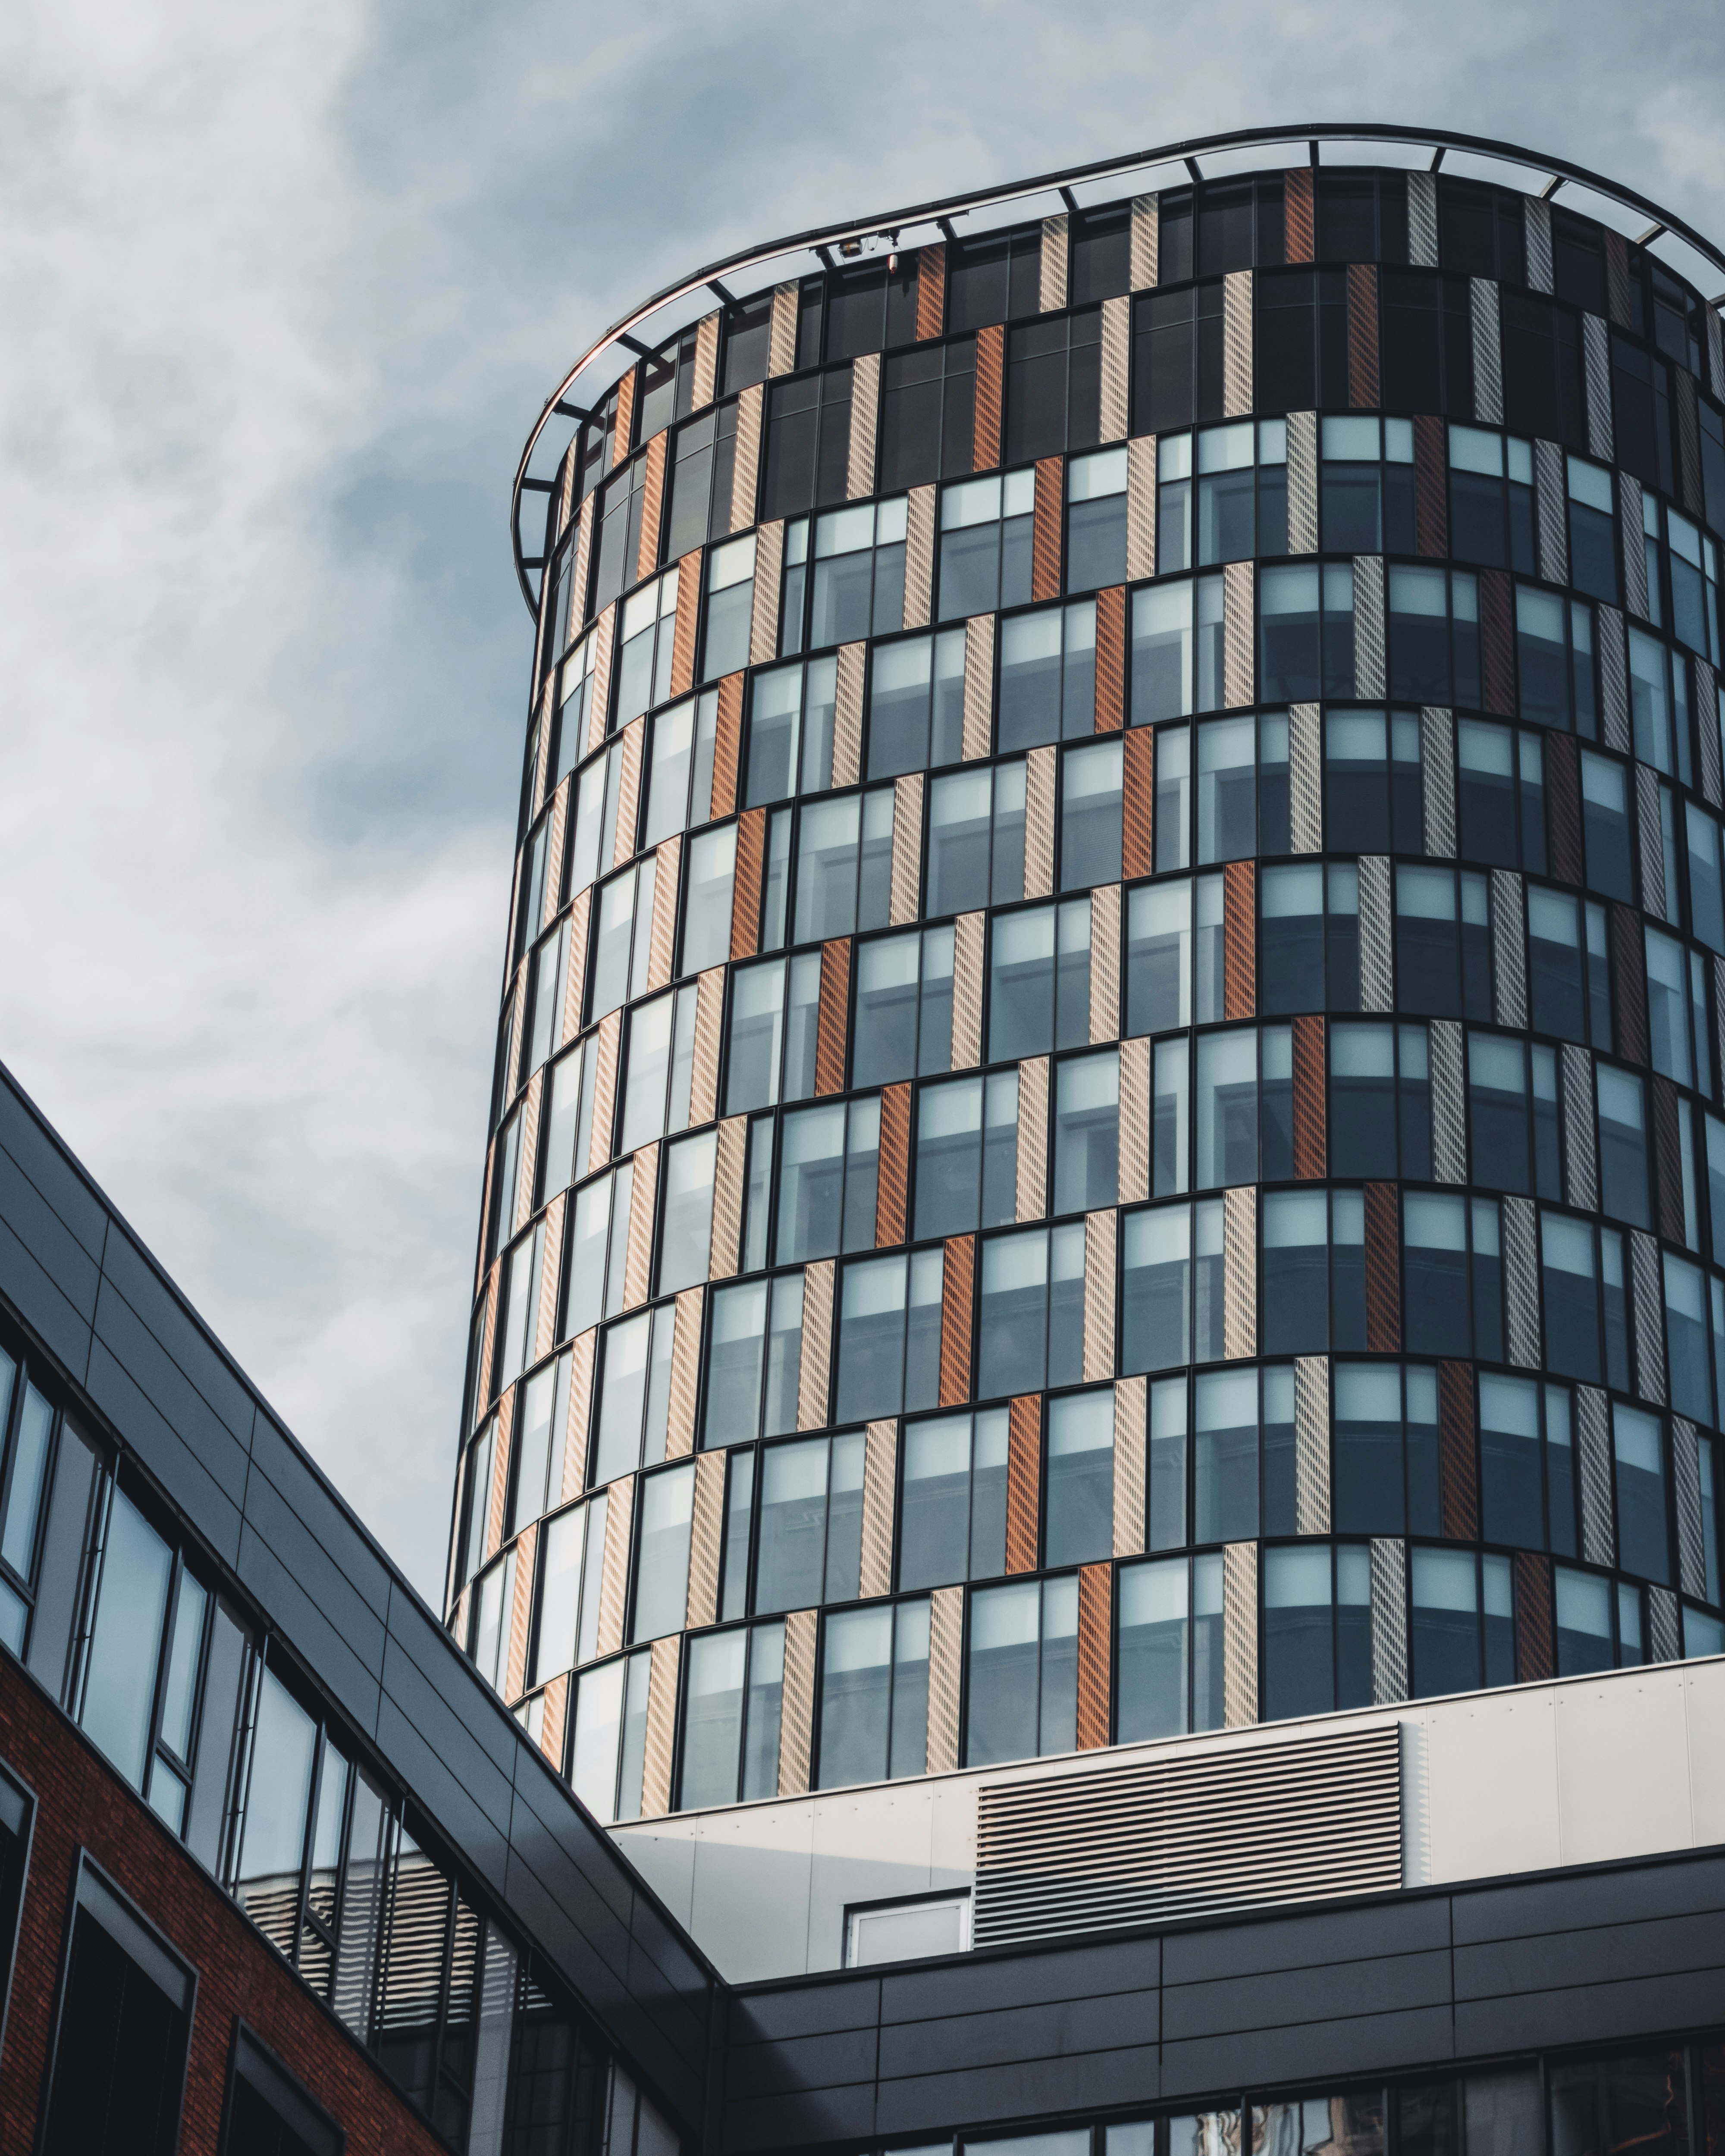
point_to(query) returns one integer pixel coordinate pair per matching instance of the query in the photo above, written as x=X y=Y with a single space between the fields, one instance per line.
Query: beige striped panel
x=602 y=1047
x=1139 y=508
x=684 y=1375
x=661 y=948
x=817 y=1345
x=1039 y=821
x=725 y=1250
x=661 y=1728
x=880 y=1480
x=906 y=901
x=1117 y=367
x=781 y=336
x=1099 y=1245
x=520 y=1615
x=1056 y=246
x=559 y=831
x=1311 y=1445
x=1131 y=1409
x=864 y=419
x=583 y=553
x=1030 y=1201
x=919 y=557
x=1146 y=241
x=488 y=1337
x=705 y=384
x=748 y=458
x=1240 y=1271
x=541 y=754
x=628 y=793
x=492 y=1152
x=517 y=1023
x=946 y=1677
x=544 y=1329
x=978 y=731
x=575 y=987
x=581 y=1361
x=1237 y=344
x=1134 y=1120
x=769 y=574
x=499 y=1492
x=688 y=614
x=1240 y=1634
x=847 y=715
x=796 y=1724
x=643 y=1191
x=625 y=419
x=1237 y=633
x=709 y=1023
x=705 y=1540
x=554 y=1721
x=604 y=647
x=1105 y=962
x=614 y=1564
x=530 y=1148
x=652 y=506
x=967 y=935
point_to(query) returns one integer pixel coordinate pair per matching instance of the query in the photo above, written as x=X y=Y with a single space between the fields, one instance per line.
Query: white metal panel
x=1623 y=1777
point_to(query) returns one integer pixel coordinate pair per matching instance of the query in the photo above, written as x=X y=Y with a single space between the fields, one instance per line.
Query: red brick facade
x=81 y=1803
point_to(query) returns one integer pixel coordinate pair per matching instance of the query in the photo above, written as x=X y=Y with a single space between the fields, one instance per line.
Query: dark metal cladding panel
x=834 y=1008
x=1310 y=1123
x=1688 y=442
x=1024 y=1483
x=1617 y=278
x=745 y=890
x=1138 y=805
x=1111 y=660
x=1460 y=1459
x=1045 y=529
x=1667 y=1160
x=1629 y=985
x=1240 y=940
x=625 y=419
x=892 y=1191
x=990 y=395
x=958 y=1297
x=1534 y=1655
x=1362 y=393
x=1431 y=500
x=1383 y=1298
x=1300 y=224
x=1497 y=642
x=1562 y=806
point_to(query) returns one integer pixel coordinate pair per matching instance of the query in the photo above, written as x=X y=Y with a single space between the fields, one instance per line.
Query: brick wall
x=81 y=1802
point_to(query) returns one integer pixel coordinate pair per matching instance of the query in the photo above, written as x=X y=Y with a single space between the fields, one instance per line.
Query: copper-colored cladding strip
x=903 y=905
x=978 y=725
x=1139 y=508
x=782 y=332
x=551 y=1273
x=990 y=397
x=662 y=941
x=554 y=1721
x=604 y=651
x=1297 y=214
x=638 y=1266
x=581 y=1361
x=1134 y=1120
x=892 y=1190
x=682 y=679
x=1629 y=985
x=931 y=292
x=1131 y=1437
x=520 y=1616
x=684 y=1375
x=816 y=1363
x=1563 y=796
x=725 y=1250
x=1024 y=1483
x=628 y=793
x=652 y=506
x=1497 y=642
x=602 y=1048
x=1053 y=265
x=1383 y=1299
x=1137 y=853
x=727 y=746
x=558 y=832
x=763 y=608
x=834 y=1010
x=796 y=1722
x=746 y=470
x=1617 y=278
x=625 y=419
x=1099 y=1277
x=1111 y=660
x=1095 y=1613
x=1534 y=1658
x=1667 y=1160
x=919 y=557
x=704 y=386
x=746 y=885
x=1431 y=504
x=529 y=1145
x=957 y=1298
x=1240 y=940
x=706 y=1539
x=1045 y=528
x=1688 y=442
x=1363 y=336
x=1031 y=1189
x=614 y=1566
x=583 y=559
x=660 y=1748
x=968 y=934
x=1309 y=1128
x=1458 y=1460
x=945 y=1669
x=880 y=1480
x=575 y=985
x=709 y=1021
x=1105 y=962
x=499 y=1491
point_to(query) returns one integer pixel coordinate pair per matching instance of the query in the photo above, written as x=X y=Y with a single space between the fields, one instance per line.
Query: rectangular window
x=1426 y=343
x=633 y=1392
x=952 y=1519
x=571 y=1573
x=1366 y=487
x=1087 y=1131
x=889 y=1336
x=859 y=573
x=1453 y=1268
x=1623 y=1145
x=1039 y=981
x=1386 y=1450
x=1177 y=358
x=1178 y=649
x=1643 y=1536
x=927 y=415
x=1158 y=957
x=1078 y=1504
x=646 y=638
x=874 y=1694
x=1022 y=1678
x=1433 y=625
x=752 y=1370
x=916 y=708
x=1030 y=1333
x=1593 y=531
x=1373 y=800
x=1686 y=1332
x=1501 y=796
x=1554 y=661
x=994 y=279
x=607 y=1751
x=1170 y=1648
x=1463 y=1629
x=811 y=1547
x=1092 y=807
x=967 y=1155
x=623 y=934
x=1171 y=1309
x=1491 y=499
x=732 y=1717
x=790 y=744
x=1048 y=675
x=807 y=443
x=1053 y=379
x=1442 y=948
x=828 y=1180
x=1096 y=520
x=1586 y=1315
x=1668 y=1008
x=976 y=839
x=775 y=1009
x=1380 y=1102
x=843 y=864
x=1570 y=978
x=1318 y=1628
x=986 y=544
x=903 y=1025
x=730 y=603
x=1528 y=1484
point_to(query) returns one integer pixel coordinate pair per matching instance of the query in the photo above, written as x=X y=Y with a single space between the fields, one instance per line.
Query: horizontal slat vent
x=1167 y=1838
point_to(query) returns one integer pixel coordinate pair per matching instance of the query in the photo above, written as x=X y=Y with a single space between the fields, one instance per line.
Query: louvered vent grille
x=1168 y=1838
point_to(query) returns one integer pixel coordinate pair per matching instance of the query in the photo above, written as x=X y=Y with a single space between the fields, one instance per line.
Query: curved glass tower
x=1107 y=1118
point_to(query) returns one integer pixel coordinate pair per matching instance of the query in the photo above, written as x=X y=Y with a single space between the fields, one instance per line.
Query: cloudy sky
x=281 y=289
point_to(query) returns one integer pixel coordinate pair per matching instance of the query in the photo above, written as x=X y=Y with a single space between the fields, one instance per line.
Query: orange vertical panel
x=629 y=792
x=1299 y=223
x=727 y=745
x=931 y=292
x=1363 y=336
x=990 y=397
x=625 y=419
x=1534 y=1655
x=652 y=506
x=1137 y=855
x=1111 y=660
x=555 y=1718
x=515 y=1676
x=545 y=1332
x=1432 y=481
x=1383 y=1300
x=835 y=1007
x=1240 y=940
x=893 y=1189
x=500 y=1473
x=1497 y=642
x=688 y=614
x=745 y=888
x=1459 y=1462
x=957 y=1300
x=1563 y=795
x=1045 y=529
x=1310 y=1133
x=1024 y=1483
x=1095 y=1612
